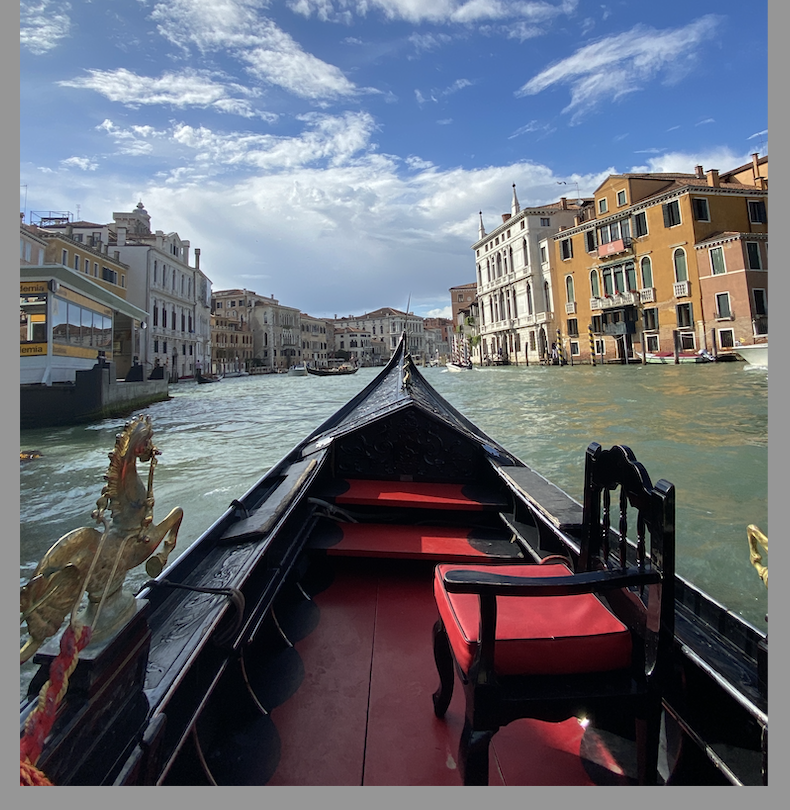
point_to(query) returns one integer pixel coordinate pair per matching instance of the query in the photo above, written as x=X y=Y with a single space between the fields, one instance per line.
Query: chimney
x=564 y=203
x=197 y=258
x=713 y=178
x=505 y=217
x=699 y=172
x=756 y=167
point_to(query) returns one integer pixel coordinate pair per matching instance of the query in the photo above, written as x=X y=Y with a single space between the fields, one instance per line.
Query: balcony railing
x=570 y=308
x=647 y=295
x=682 y=289
x=623 y=299
x=729 y=315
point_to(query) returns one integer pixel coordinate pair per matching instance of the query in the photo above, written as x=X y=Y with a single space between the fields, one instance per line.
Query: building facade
x=232 y=342
x=73 y=308
x=385 y=326
x=667 y=262
x=517 y=314
x=315 y=345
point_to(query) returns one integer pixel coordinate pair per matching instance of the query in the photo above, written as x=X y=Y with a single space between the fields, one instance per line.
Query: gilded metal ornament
x=95 y=560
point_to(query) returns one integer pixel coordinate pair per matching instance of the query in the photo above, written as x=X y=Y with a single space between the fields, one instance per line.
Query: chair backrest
x=607 y=530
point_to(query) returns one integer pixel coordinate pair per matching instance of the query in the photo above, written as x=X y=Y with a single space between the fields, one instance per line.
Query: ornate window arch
x=681 y=268
x=569 y=291
x=647 y=272
x=595 y=284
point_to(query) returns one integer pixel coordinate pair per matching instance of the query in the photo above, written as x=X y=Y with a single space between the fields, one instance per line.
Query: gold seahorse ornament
x=95 y=561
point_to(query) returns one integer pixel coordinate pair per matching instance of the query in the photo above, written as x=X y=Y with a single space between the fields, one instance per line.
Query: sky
x=336 y=153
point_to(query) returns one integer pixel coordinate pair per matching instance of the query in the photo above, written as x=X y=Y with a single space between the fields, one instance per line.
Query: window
x=619 y=280
x=651 y=343
x=717 y=261
x=156 y=316
x=575 y=348
x=603 y=235
x=723 y=305
x=590 y=241
x=600 y=346
x=164 y=319
x=621 y=198
x=87 y=268
x=597 y=324
x=671 y=213
x=543 y=256
x=726 y=338
x=95 y=269
x=760 y=306
x=686 y=341
x=757 y=212
x=594 y=285
x=630 y=277
x=753 y=256
x=566 y=248
x=573 y=327
x=545 y=222
x=156 y=347
x=76 y=262
x=110 y=275
x=64 y=257
x=614 y=230
x=546 y=296
x=647 y=273
x=640 y=224
x=650 y=318
x=684 y=315
x=569 y=289
x=681 y=271
x=608 y=284
x=700 y=207
x=603 y=206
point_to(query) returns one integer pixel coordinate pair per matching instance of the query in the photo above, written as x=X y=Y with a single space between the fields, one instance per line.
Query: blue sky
x=336 y=153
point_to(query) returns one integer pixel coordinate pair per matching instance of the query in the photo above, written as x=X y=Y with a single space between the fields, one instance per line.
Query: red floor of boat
x=363 y=713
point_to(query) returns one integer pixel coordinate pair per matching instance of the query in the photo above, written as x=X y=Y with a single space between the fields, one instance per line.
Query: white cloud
x=189 y=88
x=613 y=67
x=85 y=164
x=722 y=158
x=436 y=11
x=757 y=135
x=235 y=28
x=43 y=24
x=444 y=312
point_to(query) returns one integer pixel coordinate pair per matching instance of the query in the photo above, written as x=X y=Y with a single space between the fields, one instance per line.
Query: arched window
x=488 y=269
x=681 y=271
x=647 y=272
x=510 y=253
x=498 y=265
x=479 y=275
x=569 y=293
x=515 y=307
x=595 y=288
x=547 y=296
x=530 y=305
x=526 y=252
x=608 y=283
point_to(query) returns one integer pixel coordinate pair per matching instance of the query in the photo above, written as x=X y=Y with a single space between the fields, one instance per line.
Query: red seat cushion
x=538 y=635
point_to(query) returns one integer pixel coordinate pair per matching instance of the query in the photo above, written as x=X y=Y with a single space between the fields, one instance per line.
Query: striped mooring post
x=592 y=344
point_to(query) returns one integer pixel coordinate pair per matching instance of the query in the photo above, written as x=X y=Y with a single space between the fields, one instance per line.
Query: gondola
x=337 y=371
x=318 y=632
x=204 y=379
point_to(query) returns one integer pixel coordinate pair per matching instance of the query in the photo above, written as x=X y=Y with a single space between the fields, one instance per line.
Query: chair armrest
x=490 y=584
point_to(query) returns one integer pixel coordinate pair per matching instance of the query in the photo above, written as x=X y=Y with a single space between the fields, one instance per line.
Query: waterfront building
x=315 y=347
x=160 y=281
x=438 y=332
x=73 y=305
x=516 y=317
x=385 y=326
x=666 y=262
x=276 y=332
x=355 y=343
x=232 y=345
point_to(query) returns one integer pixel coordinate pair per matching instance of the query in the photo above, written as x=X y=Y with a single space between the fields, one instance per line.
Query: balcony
x=727 y=315
x=614 y=301
x=682 y=289
x=647 y=295
x=570 y=308
x=614 y=247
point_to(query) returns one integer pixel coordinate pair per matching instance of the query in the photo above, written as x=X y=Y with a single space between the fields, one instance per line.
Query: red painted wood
x=409 y=494
x=408 y=542
x=363 y=713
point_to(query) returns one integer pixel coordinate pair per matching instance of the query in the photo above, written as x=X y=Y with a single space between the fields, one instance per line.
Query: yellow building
x=666 y=262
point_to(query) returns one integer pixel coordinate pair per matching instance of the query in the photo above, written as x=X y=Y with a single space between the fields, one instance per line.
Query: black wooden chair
x=542 y=641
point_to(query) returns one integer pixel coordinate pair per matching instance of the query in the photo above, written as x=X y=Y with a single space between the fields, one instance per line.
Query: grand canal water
x=704 y=428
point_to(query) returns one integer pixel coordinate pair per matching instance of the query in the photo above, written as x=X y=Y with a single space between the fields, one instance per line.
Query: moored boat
x=459 y=366
x=298 y=370
x=291 y=642
x=668 y=358
x=203 y=379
